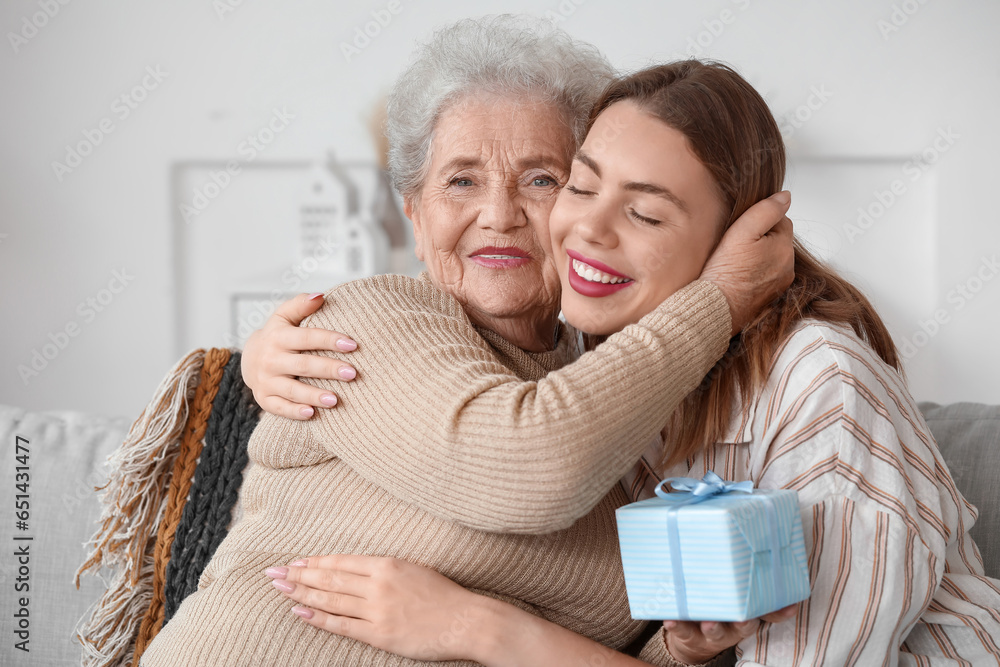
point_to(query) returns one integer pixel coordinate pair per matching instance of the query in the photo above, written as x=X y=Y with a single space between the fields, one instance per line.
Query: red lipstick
x=589 y=287
x=594 y=263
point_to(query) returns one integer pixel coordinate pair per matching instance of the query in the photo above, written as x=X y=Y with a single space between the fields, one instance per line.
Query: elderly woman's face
x=481 y=217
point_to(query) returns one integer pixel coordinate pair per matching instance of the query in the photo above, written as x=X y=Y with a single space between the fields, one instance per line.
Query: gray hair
x=510 y=55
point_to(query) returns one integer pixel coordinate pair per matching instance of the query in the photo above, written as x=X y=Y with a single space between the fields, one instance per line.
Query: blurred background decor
x=278 y=229
x=157 y=160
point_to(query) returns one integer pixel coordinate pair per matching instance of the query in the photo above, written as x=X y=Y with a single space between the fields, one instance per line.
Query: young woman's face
x=636 y=221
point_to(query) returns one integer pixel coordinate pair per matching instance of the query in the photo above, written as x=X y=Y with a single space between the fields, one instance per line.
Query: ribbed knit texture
x=214 y=491
x=455 y=450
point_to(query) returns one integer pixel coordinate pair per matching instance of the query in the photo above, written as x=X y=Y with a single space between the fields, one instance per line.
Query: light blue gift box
x=718 y=552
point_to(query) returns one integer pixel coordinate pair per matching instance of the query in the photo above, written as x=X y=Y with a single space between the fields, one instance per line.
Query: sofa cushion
x=67 y=453
x=968 y=435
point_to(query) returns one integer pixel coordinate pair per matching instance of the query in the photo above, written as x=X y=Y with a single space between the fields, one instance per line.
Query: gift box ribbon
x=709 y=486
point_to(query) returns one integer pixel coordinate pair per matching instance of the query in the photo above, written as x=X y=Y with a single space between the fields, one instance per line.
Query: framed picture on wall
x=249 y=236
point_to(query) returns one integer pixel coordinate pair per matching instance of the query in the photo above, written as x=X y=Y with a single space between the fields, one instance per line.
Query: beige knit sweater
x=456 y=450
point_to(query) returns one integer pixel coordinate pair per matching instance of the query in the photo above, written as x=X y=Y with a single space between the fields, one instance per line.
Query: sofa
x=66 y=453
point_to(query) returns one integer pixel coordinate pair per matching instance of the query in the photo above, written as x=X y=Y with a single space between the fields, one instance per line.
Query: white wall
x=887 y=95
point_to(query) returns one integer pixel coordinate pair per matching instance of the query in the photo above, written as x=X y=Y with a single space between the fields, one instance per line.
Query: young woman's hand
x=697 y=642
x=389 y=603
x=272 y=361
x=415 y=612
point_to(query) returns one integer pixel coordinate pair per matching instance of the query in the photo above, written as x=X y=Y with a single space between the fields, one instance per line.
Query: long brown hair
x=732 y=132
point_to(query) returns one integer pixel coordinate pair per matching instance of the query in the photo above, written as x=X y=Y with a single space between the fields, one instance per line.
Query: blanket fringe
x=134 y=500
x=180 y=485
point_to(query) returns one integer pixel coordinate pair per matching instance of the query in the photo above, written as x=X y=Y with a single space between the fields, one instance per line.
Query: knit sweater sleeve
x=435 y=419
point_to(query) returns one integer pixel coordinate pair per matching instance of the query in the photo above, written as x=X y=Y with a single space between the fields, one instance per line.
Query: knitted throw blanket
x=167 y=504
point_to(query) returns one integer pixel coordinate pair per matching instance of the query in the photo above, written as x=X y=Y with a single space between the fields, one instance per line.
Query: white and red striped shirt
x=895 y=577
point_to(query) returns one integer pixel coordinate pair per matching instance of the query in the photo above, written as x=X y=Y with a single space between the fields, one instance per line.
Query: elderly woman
x=465 y=449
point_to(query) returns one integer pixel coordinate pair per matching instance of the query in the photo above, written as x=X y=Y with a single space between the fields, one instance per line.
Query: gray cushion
x=968 y=435
x=66 y=456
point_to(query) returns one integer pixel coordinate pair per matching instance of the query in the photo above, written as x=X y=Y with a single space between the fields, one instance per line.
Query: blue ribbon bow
x=700 y=490
x=709 y=485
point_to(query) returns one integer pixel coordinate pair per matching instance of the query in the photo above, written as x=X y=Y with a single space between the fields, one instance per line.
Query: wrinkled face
x=481 y=217
x=636 y=222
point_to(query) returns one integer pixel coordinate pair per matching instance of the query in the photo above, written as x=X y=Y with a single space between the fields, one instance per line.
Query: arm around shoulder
x=438 y=421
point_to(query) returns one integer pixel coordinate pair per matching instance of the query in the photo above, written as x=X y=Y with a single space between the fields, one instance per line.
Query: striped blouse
x=895 y=577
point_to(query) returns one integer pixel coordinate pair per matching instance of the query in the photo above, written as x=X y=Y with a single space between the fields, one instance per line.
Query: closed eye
x=642 y=218
x=577 y=191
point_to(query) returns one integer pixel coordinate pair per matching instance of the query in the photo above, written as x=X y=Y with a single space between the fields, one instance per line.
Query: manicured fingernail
x=283 y=586
x=276 y=572
x=347 y=373
x=303 y=612
x=347 y=345
x=314 y=295
x=328 y=399
x=782 y=197
x=306 y=412
x=302 y=562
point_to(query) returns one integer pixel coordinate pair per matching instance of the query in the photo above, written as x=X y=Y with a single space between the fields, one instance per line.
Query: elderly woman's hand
x=272 y=360
x=754 y=263
x=697 y=642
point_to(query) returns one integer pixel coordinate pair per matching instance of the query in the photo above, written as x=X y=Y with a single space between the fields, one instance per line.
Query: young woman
x=809 y=397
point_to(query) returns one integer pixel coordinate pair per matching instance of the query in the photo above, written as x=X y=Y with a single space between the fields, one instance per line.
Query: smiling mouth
x=593 y=275
x=496 y=257
x=595 y=272
x=594 y=279
x=501 y=252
